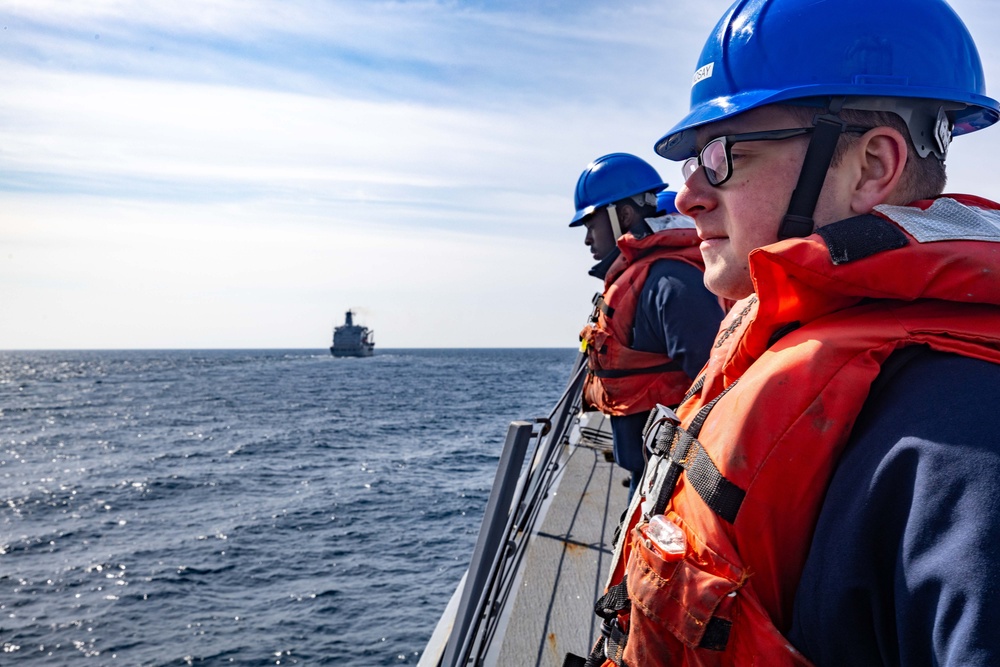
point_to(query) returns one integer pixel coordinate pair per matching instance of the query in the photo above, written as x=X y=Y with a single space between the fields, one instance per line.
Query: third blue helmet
x=665 y=202
x=611 y=178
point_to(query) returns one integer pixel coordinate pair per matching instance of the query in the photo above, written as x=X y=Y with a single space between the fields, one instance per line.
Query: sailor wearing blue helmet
x=827 y=492
x=653 y=326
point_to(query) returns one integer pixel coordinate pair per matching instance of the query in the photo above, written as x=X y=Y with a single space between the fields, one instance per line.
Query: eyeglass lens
x=713 y=159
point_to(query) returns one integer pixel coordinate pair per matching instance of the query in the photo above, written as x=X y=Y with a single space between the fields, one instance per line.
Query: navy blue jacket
x=903 y=567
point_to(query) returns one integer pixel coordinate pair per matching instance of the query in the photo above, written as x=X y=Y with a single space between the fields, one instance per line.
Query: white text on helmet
x=703 y=72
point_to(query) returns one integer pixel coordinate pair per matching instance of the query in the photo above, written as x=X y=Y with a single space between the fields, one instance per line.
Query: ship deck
x=567 y=563
x=544 y=548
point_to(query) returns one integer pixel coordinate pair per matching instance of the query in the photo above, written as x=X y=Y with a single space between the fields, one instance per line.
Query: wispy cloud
x=392 y=94
x=237 y=173
x=442 y=51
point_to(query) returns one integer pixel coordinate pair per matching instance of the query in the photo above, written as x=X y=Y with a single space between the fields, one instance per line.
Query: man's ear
x=628 y=216
x=877 y=162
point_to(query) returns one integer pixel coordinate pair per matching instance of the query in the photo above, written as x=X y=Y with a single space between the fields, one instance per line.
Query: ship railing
x=469 y=624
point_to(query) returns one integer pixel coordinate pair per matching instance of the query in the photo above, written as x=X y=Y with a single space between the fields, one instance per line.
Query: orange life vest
x=622 y=380
x=744 y=471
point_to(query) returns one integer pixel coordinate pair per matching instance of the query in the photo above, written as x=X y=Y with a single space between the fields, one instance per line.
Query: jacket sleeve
x=904 y=567
x=677 y=315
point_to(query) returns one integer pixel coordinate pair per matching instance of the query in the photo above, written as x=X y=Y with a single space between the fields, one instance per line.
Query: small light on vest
x=666 y=535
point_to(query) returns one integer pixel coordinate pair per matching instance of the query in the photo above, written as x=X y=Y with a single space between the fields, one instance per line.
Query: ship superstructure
x=352 y=340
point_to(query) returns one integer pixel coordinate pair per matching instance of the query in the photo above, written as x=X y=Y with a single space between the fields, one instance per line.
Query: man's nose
x=695 y=196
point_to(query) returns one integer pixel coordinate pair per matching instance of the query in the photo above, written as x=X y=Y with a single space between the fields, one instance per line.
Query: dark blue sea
x=276 y=507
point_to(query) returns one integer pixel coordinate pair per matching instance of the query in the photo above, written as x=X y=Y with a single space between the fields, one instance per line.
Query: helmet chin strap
x=616 y=227
x=798 y=221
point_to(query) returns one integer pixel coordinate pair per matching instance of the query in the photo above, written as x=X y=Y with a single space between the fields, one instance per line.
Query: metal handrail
x=498 y=554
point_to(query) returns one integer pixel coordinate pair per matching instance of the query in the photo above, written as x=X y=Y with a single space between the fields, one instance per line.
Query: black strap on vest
x=683 y=452
x=675 y=443
x=613 y=373
x=597 y=300
x=603 y=306
x=799 y=219
x=861 y=236
x=695 y=388
x=699 y=419
x=724 y=497
x=611 y=644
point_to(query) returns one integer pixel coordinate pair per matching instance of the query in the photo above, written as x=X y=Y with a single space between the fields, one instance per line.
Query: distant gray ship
x=351 y=340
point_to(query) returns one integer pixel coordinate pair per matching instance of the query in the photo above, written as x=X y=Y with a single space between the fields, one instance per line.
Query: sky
x=238 y=174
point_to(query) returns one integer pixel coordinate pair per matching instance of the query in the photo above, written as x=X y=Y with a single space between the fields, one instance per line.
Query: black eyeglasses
x=717 y=157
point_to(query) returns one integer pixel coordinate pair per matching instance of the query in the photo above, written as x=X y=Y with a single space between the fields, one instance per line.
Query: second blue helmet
x=611 y=178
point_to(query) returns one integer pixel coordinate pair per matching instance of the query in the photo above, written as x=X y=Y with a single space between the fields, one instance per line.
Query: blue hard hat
x=665 y=202
x=876 y=53
x=612 y=178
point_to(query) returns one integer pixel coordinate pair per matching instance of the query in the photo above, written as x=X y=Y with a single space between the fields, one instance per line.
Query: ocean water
x=246 y=507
